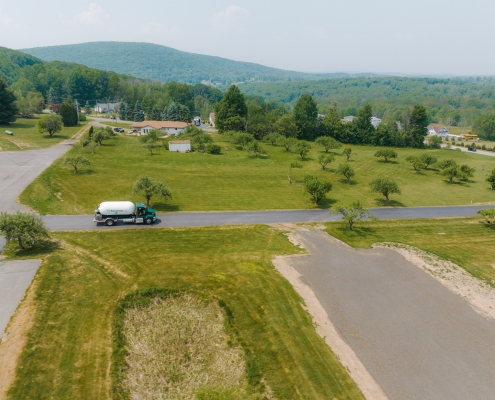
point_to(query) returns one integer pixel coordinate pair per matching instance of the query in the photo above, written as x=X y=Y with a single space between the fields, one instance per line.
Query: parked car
x=120 y=130
x=133 y=130
x=472 y=149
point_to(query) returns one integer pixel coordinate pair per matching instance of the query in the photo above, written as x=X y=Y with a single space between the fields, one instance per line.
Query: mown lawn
x=236 y=180
x=27 y=137
x=80 y=282
x=467 y=242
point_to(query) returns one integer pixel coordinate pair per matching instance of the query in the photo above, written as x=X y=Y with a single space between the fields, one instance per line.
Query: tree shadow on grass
x=55 y=137
x=32 y=251
x=84 y=172
x=388 y=162
x=165 y=207
x=326 y=203
x=391 y=203
x=351 y=183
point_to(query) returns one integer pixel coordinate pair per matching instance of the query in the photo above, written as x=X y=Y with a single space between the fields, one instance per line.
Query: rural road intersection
x=416 y=338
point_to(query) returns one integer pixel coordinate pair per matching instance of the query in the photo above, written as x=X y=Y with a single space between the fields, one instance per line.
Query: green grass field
x=464 y=241
x=236 y=180
x=82 y=279
x=27 y=137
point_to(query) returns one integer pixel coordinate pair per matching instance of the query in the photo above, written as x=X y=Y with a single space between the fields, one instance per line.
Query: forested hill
x=12 y=62
x=458 y=96
x=151 y=61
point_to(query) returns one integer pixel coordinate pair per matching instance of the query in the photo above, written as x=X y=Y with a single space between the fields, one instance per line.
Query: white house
x=105 y=107
x=170 y=127
x=180 y=146
x=434 y=130
x=349 y=118
x=375 y=121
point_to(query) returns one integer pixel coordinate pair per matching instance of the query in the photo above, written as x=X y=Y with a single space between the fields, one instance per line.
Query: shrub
x=462 y=144
x=483 y=147
x=213 y=149
x=489 y=149
x=478 y=147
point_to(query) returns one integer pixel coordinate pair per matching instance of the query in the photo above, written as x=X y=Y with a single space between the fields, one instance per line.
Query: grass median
x=83 y=278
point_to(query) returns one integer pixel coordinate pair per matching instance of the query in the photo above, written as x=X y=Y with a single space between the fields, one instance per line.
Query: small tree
x=434 y=142
x=316 y=188
x=242 y=139
x=22 y=227
x=287 y=142
x=385 y=186
x=324 y=160
x=491 y=179
x=303 y=148
x=351 y=214
x=466 y=172
x=99 y=135
x=487 y=213
x=346 y=170
x=256 y=148
x=92 y=145
x=201 y=140
x=76 y=160
x=292 y=165
x=150 y=187
x=68 y=113
x=415 y=162
x=272 y=138
x=150 y=140
x=427 y=160
x=213 y=149
x=348 y=152
x=327 y=143
x=387 y=154
x=450 y=173
x=50 y=124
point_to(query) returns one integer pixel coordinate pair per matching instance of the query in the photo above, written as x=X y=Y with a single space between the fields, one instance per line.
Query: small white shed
x=180 y=146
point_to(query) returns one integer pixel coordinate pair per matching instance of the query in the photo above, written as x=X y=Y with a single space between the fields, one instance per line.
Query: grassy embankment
x=80 y=283
x=236 y=180
x=27 y=137
x=464 y=241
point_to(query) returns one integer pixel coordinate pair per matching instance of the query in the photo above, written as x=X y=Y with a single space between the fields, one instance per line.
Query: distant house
x=212 y=119
x=180 y=146
x=435 y=130
x=349 y=118
x=105 y=107
x=375 y=121
x=170 y=127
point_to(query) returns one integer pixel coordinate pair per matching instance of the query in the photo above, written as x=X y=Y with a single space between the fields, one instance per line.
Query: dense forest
x=58 y=81
x=451 y=101
x=152 y=61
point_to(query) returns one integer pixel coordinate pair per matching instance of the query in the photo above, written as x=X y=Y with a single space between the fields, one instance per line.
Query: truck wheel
x=109 y=222
x=148 y=221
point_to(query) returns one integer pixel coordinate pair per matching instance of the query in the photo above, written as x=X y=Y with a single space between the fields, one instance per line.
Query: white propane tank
x=116 y=208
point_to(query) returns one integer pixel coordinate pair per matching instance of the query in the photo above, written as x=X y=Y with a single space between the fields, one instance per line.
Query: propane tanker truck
x=110 y=212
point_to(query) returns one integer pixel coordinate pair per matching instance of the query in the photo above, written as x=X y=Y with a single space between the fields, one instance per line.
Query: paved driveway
x=15 y=278
x=416 y=338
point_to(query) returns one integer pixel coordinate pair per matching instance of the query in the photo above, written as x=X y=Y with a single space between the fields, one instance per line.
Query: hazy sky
x=407 y=36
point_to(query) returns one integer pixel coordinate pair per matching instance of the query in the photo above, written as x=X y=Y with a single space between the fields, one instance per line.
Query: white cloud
x=319 y=33
x=95 y=15
x=5 y=20
x=233 y=17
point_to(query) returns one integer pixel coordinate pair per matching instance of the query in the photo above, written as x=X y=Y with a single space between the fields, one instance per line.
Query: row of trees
x=232 y=113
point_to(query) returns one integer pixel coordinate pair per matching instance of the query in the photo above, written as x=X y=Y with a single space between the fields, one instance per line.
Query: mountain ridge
x=157 y=62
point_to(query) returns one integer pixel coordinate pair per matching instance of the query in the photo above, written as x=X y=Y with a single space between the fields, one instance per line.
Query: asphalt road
x=416 y=338
x=15 y=278
x=479 y=152
x=85 y=222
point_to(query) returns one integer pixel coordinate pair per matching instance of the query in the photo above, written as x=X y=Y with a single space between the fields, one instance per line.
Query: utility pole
x=77 y=109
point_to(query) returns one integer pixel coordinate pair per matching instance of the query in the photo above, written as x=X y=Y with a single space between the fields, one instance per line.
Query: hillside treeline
x=451 y=101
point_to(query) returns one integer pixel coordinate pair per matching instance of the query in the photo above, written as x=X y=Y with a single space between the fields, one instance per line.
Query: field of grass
x=117 y=125
x=27 y=137
x=464 y=241
x=83 y=278
x=236 y=180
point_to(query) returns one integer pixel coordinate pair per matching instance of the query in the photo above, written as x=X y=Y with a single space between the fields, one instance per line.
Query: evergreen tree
x=332 y=124
x=305 y=116
x=184 y=113
x=123 y=111
x=68 y=113
x=364 y=127
x=87 y=108
x=52 y=97
x=8 y=107
x=232 y=105
x=417 y=127
x=138 y=114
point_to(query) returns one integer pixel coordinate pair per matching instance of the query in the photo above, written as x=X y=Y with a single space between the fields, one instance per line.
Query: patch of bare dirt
x=324 y=326
x=479 y=294
x=14 y=339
